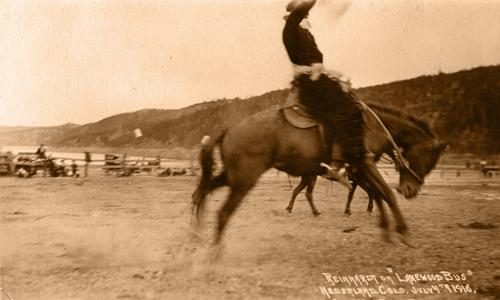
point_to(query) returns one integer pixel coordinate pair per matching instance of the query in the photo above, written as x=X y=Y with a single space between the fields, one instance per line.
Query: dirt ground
x=129 y=238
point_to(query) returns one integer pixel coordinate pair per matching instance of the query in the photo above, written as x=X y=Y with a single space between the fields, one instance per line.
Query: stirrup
x=336 y=175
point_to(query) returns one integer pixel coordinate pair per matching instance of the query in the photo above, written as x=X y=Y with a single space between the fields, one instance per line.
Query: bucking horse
x=266 y=140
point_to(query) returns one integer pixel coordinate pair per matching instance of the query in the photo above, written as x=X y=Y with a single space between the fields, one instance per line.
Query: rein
x=398 y=155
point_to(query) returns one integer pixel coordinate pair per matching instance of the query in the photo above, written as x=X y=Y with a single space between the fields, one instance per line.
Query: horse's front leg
x=370 y=203
x=347 y=210
x=375 y=180
x=372 y=195
x=309 y=191
x=304 y=181
x=383 y=223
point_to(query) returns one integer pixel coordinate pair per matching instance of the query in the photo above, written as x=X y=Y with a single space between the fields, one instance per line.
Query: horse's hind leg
x=240 y=184
x=232 y=202
x=304 y=181
x=309 y=193
x=202 y=191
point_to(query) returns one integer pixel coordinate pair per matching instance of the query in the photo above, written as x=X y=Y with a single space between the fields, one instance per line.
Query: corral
x=28 y=164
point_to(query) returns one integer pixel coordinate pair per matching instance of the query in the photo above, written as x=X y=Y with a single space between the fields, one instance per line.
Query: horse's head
x=421 y=148
x=421 y=158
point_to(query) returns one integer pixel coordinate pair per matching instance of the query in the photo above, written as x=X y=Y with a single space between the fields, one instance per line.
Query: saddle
x=297 y=115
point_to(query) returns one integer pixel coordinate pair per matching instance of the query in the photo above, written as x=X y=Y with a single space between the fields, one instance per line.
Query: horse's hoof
x=386 y=236
x=404 y=240
x=215 y=253
x=384 y=226
x=402 y=229
x=347 y=213
x=194 y=232
x=289 y=209
x=316 y=213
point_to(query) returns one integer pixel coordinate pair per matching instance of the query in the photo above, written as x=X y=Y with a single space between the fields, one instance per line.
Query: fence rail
x=154 y=165
x=119 y=164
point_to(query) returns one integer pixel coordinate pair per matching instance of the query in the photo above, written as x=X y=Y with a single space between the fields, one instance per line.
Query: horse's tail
x=208 y=182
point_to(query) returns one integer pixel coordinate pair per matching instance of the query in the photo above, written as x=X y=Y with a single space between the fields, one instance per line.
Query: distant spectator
x=482 y=165
x=41 y=151
x=74 y=168
x=62 y=168
x=22 y=173
x=12 y=162
x=88 y=158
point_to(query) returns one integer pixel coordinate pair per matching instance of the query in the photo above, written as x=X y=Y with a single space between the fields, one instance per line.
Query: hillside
x=464 y=107
x=29 y=136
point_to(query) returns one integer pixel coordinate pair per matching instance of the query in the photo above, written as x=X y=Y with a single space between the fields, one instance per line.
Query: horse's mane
x=424 y=125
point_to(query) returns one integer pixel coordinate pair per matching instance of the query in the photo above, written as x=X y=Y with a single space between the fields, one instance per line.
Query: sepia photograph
x=250 y=149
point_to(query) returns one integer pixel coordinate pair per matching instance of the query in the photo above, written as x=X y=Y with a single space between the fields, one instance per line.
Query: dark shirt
x=299 y=42
x=87 y=157
x=41 y=152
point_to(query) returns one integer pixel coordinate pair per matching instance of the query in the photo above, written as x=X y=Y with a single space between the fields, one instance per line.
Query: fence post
x=124 y=163
x=157 y=165
x=87 y=162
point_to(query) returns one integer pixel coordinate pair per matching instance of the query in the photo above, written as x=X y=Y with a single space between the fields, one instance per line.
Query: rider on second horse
x=326 y=96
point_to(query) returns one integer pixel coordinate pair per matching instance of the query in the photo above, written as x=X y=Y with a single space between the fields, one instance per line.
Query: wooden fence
x=122 y=165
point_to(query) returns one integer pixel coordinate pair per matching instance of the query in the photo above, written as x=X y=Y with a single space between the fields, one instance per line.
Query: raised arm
x=299 y=9
x=299 y=42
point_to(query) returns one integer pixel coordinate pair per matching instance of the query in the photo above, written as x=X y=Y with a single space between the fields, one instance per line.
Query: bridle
x=398 y=157
x=403 y=162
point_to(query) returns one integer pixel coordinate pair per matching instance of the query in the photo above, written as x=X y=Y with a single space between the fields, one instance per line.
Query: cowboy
x=41 y=152
x=323 y=93
x=74 y=168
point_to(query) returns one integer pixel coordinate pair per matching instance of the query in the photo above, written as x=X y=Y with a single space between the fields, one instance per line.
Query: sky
x=81 y=61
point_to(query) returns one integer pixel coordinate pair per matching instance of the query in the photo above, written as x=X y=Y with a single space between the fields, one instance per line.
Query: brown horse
x=266 y=140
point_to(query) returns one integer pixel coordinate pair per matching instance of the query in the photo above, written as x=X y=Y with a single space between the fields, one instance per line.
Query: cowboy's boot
x=337 y=172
